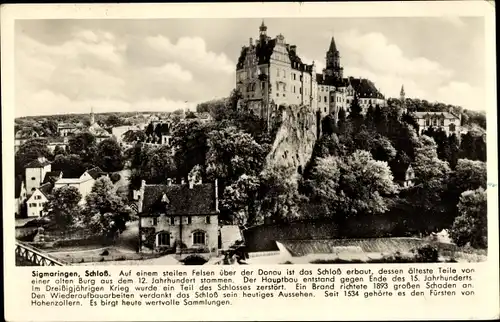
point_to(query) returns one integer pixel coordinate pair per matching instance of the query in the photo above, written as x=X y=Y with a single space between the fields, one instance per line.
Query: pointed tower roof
x=333 y=47
x=402 y=90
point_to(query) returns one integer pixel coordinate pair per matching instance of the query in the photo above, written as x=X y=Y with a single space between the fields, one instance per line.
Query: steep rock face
x=295 y=138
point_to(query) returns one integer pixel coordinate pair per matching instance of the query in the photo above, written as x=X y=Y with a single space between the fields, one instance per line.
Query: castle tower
x=263 y=32
x=92 y=116
x=402 y=99
x=333 y=67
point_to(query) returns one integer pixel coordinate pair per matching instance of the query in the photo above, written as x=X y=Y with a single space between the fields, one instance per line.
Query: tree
x=279 y=196
x=71 y=165
x=342 y=121
x=31 y=150
x=62 y=207
x=469 y=175
x=232 y=153
x=50 y=127
x=113 y=120
x=470 y=227
x=190 y=142
x=353 y=185
x=109 y=156
x=134 y=136
x=59 y=150
x=427 y=165
x=85 y=145
x=155 y=166
x=239 y=200
x=105 y=212
x=355 y=114
x=328 y=125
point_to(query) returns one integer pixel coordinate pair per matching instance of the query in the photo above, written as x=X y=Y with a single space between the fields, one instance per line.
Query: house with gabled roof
x=179 y=218
x=446 y=121
x=84 y=183
x=38 y=199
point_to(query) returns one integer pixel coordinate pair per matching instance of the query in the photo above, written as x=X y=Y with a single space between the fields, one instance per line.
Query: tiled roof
x=365 y=88
x=95 y=173
x=52 y=176
x=446 y=115
x=46 y=189
x=331 y=81
x=18 y=186
x=37 y=164
x=180 y=199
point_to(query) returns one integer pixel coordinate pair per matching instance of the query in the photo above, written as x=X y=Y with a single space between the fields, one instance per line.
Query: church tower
x=92 y=116
x=263 y=32
x=333 y=67
x=402 y=99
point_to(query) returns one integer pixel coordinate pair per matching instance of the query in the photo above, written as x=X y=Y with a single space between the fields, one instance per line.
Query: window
x=293 y=89
x=33 y=189
x=294 y=78
x=284 y=87
x=452 y=127
x=427 y=122
x=172 y=220
x=325 y=99
x=155 y=221
x=207 y=219
x=300 y=90
x=442 y=122
x=284 y=73
x=163 y=239
x=199 y=238
x=33 y=178
x=189 y=220
x=38 y=197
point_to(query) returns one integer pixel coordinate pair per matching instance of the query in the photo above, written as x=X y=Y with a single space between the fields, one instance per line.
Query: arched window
x=163 y=239
x=452 y=127
x=199 y=238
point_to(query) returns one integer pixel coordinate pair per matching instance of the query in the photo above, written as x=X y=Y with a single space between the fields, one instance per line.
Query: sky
x=69 y=66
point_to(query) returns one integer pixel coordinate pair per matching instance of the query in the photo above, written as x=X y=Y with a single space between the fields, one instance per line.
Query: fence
x=33 y=257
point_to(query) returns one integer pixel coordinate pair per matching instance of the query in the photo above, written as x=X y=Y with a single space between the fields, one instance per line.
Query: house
x=404 y=175
x=180 y=218
x=447 y=121
x=38 y=199
x=409 y=178
x=84 y=183
x=67 y=129
x=19 y=195
x=35 y=173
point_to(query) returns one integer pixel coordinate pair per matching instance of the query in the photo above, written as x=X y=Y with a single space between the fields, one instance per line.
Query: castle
x=270 y=74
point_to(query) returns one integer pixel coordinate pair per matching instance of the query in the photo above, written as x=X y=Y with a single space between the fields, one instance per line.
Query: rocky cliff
x=295 y=138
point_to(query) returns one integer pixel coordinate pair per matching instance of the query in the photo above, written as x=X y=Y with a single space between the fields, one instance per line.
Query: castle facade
x=270 y=74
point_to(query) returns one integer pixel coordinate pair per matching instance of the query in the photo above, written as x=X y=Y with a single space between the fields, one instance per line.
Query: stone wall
x=295 y=138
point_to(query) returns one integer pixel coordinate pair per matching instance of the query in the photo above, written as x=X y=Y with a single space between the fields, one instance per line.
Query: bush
x=427 y=254
x=115 y=177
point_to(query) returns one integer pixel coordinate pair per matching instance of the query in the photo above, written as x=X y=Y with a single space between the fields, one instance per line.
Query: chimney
x=169 y=181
